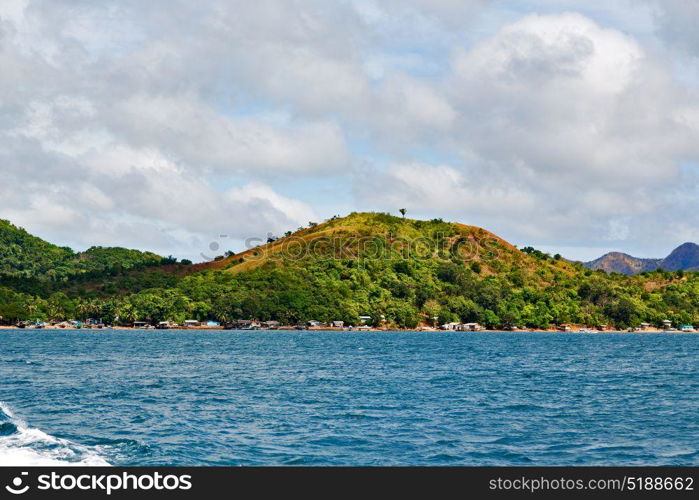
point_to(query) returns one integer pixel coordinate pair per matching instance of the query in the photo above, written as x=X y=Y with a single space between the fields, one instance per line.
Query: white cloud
x=678 y=22
x=565 y=129
x=197 y=135
x=559 y=93
x=446 y=189
x=128 y=115
x=101 y=134
x=264 y=196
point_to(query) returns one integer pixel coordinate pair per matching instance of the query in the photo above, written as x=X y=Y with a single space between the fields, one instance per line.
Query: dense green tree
x=459 y=274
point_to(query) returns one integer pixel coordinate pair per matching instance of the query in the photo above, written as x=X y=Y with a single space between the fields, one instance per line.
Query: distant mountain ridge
x=685 y=257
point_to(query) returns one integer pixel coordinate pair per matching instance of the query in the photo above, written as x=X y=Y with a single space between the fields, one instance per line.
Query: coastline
x=336 y=329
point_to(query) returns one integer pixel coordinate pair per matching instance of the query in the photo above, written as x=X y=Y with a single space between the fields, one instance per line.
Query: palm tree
x=54 y=311
x=125 y=313
x=403 y=211
x=83 y=310
x=222 y=316
x=94 y=307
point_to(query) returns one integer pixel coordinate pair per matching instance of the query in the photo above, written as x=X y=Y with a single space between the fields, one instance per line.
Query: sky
x=180 y=126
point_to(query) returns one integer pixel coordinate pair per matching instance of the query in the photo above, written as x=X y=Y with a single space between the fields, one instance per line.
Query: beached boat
x=362 y=328
x=587 y=330
x=167 y=325
x=143 y=325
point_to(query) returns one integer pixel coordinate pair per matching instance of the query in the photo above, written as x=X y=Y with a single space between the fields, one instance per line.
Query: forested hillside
x=25 y=256
x=401 y=272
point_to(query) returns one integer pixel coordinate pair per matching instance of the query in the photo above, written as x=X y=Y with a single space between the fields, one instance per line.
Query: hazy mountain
x=685 y=257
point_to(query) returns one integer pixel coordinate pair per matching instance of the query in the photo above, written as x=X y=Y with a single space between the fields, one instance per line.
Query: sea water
x=98 y=397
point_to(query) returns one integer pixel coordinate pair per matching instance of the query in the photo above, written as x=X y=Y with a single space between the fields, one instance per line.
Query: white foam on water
x=6 y=410
x=33 y=447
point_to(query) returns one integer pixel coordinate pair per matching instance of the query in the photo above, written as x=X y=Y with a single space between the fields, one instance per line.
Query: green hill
x=401 y=272
x=25 y=256
x=365 y=237
x=409 y=271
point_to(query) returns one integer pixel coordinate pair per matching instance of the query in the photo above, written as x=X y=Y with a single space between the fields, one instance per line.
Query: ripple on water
x=314 y=398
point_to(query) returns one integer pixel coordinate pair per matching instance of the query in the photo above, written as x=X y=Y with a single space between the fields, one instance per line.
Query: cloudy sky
x=569 y=125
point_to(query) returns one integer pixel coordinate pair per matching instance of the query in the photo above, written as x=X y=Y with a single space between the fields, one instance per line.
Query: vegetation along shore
x=366 y=270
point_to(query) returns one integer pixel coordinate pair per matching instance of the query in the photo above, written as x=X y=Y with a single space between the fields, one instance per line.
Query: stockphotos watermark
x=100 y=483
x=371 y=247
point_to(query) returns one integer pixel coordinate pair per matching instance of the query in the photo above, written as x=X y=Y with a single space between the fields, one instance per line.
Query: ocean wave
x=21 y=445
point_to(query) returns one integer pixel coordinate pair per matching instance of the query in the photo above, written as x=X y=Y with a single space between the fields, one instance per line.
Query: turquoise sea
x=344 y=398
